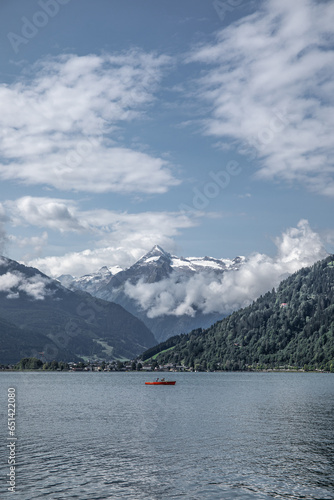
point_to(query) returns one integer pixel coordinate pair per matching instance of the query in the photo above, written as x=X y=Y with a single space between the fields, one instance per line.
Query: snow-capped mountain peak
x=187 y=264
x=153 y=255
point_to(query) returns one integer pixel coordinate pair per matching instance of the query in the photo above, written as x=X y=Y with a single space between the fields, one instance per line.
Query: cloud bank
x=296 y=248
x=270 y=87
x=115 y=238
x=59 y=127
x=52 y=213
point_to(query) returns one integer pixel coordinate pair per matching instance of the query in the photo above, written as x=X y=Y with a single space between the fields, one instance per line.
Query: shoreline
x=269 y=370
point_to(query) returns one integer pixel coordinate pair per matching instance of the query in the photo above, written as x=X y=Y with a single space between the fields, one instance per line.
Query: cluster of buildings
x=126 y=366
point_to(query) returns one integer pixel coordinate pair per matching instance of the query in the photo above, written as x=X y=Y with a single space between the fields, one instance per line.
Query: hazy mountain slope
x=73 y=321
x=16 y=343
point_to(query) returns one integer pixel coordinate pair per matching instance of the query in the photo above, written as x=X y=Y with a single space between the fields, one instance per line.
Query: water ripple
x=212 y=436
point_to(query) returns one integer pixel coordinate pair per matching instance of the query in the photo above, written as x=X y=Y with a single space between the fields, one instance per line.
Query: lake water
x=99 y=436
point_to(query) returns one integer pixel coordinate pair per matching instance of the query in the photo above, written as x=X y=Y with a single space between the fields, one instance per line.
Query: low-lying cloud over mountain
x=174 y=295
x=208 y=292
x=35 y=287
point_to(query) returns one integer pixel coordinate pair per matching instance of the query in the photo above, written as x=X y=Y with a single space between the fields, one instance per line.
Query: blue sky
x=203 y=126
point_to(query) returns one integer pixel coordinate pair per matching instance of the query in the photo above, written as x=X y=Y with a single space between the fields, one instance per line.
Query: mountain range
x=123 y=286
x=40 y=317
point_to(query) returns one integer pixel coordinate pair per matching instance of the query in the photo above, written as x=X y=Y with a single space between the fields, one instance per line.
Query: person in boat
x=163 y=379
x=157 y=380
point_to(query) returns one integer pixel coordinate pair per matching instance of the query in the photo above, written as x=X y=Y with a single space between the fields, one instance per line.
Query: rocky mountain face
x=157 y=265
x=40 y=317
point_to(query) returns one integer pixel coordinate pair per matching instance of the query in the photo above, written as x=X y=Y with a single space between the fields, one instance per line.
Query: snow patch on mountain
x=90 y=282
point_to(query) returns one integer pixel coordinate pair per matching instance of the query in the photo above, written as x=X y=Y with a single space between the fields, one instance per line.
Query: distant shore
x=13 y=370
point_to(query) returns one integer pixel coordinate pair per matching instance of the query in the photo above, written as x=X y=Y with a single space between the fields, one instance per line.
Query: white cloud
x=296 y=248
x=57 y=128
x=45 y=212
x=271 y=88
x=13 y=283
x=35 y=287
x=8 y=281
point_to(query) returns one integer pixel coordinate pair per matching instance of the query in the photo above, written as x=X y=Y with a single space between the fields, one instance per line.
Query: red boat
x=162 y=382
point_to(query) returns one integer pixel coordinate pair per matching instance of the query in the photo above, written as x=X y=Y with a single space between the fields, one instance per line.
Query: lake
x=99 y=436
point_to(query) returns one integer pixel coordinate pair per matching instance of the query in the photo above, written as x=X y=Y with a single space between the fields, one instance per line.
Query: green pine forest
x=292 y=326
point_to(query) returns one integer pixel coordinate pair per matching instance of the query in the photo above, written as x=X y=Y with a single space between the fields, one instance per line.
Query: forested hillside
x=292 y=326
